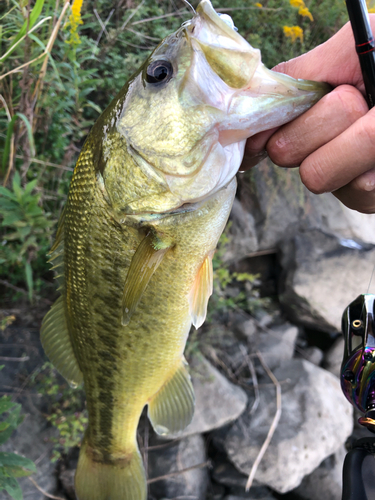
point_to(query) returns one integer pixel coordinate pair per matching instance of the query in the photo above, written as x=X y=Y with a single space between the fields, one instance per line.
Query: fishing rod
x=364 y=45
x=358 y=322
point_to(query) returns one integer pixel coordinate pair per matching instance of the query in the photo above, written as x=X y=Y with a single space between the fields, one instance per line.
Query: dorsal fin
x=56 y=343
x=201 y=291
x=56 y=254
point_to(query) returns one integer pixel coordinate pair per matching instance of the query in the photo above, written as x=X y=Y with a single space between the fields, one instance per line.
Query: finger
x=255 y=149
x=331 y=116
x=343 y=159
x=360 y=193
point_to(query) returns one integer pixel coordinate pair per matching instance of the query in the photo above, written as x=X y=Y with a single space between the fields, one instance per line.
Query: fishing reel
x=358 y=384
x=358 y=365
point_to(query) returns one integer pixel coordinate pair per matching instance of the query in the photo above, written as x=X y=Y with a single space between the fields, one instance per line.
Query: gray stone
x=325 y=483
x=321 y=276
x=176 y=456
x=243 y=239
x=255 y=493
x=275 y=343
x=225 y=473
x=217 y=401
x=333 y=357
x=66 y=477
x=314 y=355
x=306 y=434
x=30 y=440
x=281 y=207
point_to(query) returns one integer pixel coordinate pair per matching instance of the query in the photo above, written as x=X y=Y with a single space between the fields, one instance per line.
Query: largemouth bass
x=148 y=201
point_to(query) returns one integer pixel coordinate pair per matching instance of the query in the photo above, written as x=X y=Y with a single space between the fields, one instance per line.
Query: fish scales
x=149 y=198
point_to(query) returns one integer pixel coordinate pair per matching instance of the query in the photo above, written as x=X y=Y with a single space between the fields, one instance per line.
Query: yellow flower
x=258 y=5
x=74 y=21
x=370 y=6
x=293 y=32
x=76 y=10
x=297 y=3
x=304 y=11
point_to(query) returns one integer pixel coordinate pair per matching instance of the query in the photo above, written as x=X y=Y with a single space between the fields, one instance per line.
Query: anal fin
x=145 y=261
x=201 y=291
x=172 y=407
x=57 y=345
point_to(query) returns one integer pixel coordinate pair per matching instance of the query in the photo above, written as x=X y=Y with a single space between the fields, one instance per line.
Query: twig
x=178 y=472
x=51 y=41
x=229 y=9
x=6 y=358
x=273 y=426
x=46 y=163
x=179 y=12
x=24 y=36
x=132 y=15
x=103 y=25
x=13 y=287
x=162 y=446
x=21 y=290
x=138 y=33
x=5 y=107
x=44 y=491
x=254 y=377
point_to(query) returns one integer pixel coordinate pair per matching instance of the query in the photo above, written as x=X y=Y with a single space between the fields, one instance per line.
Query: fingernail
x=366 y=181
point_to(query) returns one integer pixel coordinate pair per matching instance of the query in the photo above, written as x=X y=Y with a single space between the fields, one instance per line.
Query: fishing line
x=372 y=274
x=189 y=6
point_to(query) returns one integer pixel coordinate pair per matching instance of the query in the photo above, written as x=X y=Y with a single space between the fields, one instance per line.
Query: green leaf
x=6 y=404
x=14 y=460
x=28 y=24
x=4 y=426
x=30 y=186
x=7 y=193
x=12 y=487
x=8 y=139
x=29 y=280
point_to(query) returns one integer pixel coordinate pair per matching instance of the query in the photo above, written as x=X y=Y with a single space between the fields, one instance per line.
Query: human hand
x=333 y=143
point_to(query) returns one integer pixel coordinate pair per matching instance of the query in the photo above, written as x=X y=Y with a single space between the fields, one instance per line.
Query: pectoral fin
x=201 y=292
x=146 y=260
x=57 y=345
x=172 y=408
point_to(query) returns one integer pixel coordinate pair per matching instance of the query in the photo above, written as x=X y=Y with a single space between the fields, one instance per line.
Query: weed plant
x=12 y=466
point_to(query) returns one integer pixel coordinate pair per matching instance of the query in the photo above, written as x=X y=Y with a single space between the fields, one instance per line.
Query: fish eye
x=159 y=72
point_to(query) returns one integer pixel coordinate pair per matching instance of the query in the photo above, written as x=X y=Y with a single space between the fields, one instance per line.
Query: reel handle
x=359 y=471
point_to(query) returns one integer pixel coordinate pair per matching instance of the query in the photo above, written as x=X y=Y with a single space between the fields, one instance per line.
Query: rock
x=30 y=440
x=276 y=344
x=321 y=276
x=217 y=401
x=325 y=483
x=225 y=473
x=253 y=494
x=281 y=207
x=175 y=456
x=333 y=357
x=314 y=355
x=306 y=434
x=242 y=235
x=66 y=477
